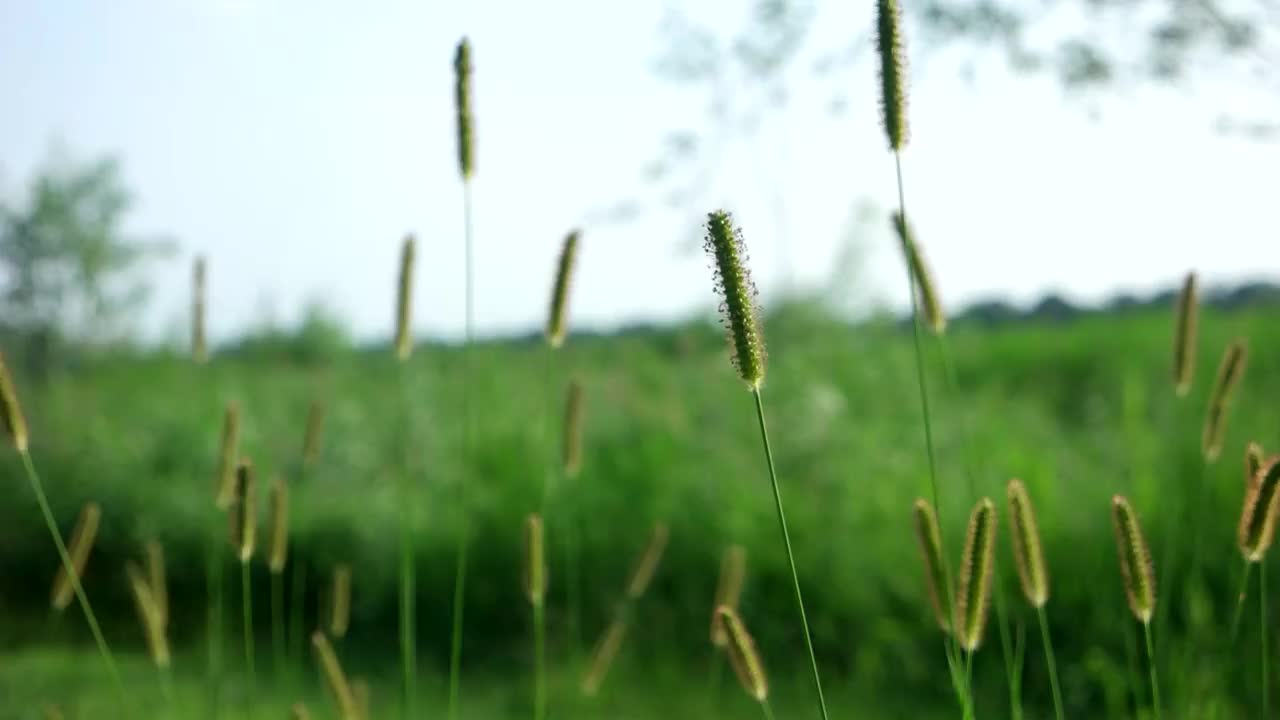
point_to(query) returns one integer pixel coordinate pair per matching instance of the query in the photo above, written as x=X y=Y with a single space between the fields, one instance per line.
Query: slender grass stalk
x=156 y=580
x=311 y=446
x=408 y=585
x=1052 y=662
x=297 y=607
x=276 y=560
x=277 y=622
x=535 y=587
x=1245 y=573
x=1262 y=638
x=81 y=545
x=335 y=679
x=1151 y=666
x=244 y=525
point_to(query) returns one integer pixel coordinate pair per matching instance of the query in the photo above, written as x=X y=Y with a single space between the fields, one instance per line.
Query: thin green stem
x=214 y=639
x=539 y=662
x=791 y=558
x=1151 y=664
x=38 y=488
x=455 y=645
x=968 y=684
x=297 y=591
x=246 y=597
x=1244 y=590
x=1262 y=636
x=1051 y=662
x=277 y=620
x=408 y=583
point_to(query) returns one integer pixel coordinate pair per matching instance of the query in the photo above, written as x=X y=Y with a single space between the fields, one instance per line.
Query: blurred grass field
x=1079 y=410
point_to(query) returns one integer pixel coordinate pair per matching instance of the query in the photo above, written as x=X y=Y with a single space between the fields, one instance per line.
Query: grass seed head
x=311 y=438
x=340 y=601
x=404 y=301
x=738 y=296
x=1184 y=337
x=1252 y=464
x=1258 y=518
x=228 y=454
x=149 y=616
x=733 y=570
x=893 y=72
x=926 y=289
x=1229 y=373
x=1027 y=551
x=602 y=657
x=644 y=570
x=557 y=317
x=243 y=512
x=82 y=538
x=15 y=423
x=279 y=525
x=573 y=430
x=1135 y=560
x=156 y=580
x=743 y=655
x=535 y=563
x=334 y=678
x=976 y=566
x=199 y=346
x=462 y=104
x=930 y=539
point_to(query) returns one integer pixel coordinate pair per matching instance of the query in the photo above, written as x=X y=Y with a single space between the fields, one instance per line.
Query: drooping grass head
x=404 y=301
x=1258 y=518
x=930 y=539
x=462 y=104
x=733 y=570
x=930 y=305
x=557 y=317
x=1184 y=338
x=738 y=296
x=1135 y=560
x=1027 y=551
x=976 y=566
x=743 y=656
x=1229 y=373
x=893 y=72
x=15 y=423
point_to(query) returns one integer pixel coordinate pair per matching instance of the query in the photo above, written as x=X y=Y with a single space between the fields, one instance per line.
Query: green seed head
x=930 y=539
x=1252 y=464
x=15 y=424
x=1027 y=552
x=738 y=296
x=1229 y=373
x=925 y=288
x=1135 y=560
x=572 y=455
x=82 y=538
x=228 y=454
x=462 y=103
x=976 y=567
x=404 y=301
x=743 y=655
x=557 y=322
x=243 y=515
x=893 y=72
x=535 y=564
x=733 y=570
x=1258 y=518
x=1184 y=338
x=199 y=348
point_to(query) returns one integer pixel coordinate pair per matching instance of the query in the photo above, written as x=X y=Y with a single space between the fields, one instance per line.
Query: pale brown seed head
x=81 y=545
x=602 y=657
x=404 y=301
x=743 y=656
x=156 y=580
x=1229 y=373
x=557 y=319
x=279 y=525
x=573 y=430
x=1135 y=560
x=644 y=570
x=148 y=616
x=733 y=571
x=1184 y=337
x=243 y=512
x=334 y=678
x=535 y=564
x=1027 y=551
x=1258 y=518
x=228 y=454
x=340 y=601
x=930 y=539
x=15 y=423
x=974 y=591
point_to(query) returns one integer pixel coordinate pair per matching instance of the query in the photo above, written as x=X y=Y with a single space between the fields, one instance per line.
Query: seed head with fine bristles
x=535 y=563
x=279 y=551
x=462 y=106
x=199 y=347
x=15 y=423
x=890 y=45
x=1028 y=554
x=404 y=301
x=1258 y=518
x=573 y=430
x=738 y=296
x=1135 y=560
x=557 y=316
x=228 y=453
x=1184 y=337
x=743 y=656
x=974 y=591
x=930 y=539
x=1252 y=464
x=1229 y=373
x=733 y=570
x=926 y=289
x=81 y=545
x=243 y=512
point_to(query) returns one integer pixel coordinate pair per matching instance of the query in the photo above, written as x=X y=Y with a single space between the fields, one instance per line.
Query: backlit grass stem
x=408 y=584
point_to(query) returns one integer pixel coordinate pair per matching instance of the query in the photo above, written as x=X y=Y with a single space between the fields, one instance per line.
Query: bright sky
x=295 y=143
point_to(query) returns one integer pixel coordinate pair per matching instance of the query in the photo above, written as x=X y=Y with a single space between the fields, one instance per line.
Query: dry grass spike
x=557 y=318
x=81 y=545
x=1028 y=553
x=1135 y=560
x=974 y=593
x=930 y=539
x=334 y=678
x=149 y=616
x=738 y=296
x=1184 y=337
x=404 y=301
x=1229 y=373
x=926 y=289
x=733 y=572
x=279 y=551
x=535 y=564
x=743 y=656
x=228 y=454
x=644 y=570
x=462 y=105
x=573 y=430
x=15 y=423
x=157 y=581
x=340 y=601
x=243 y=514
x=1258 y=518
x=893 y=72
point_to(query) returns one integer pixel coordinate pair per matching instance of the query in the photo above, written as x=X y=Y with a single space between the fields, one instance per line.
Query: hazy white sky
x=295 y=143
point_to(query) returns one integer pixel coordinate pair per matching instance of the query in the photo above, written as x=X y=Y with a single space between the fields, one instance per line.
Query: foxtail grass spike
x=1252 y=464
x=893 y=72
x=156 y=580
x=404 y=301
x=199 y=344
x=976 y=564
x=279 y=551
x=573 y=430
x=15 y=423
x=930 y=539
x=1229 y=373
x=535 y=564
x=930 y=306
x=602 y=657
x=334 y=678
x=243 y=514
x=340 y=601
x=82 y=537
x=733 y=571
x=743 y=656
x=311 y=439
x=557 y=319
x=1027 y=551
x=228 y=454
x=1258 y=518
x=738 y=296
x=1135 y=560
x=644 y=570
x=462 y=104
x=149 y=615
x=1184 y=338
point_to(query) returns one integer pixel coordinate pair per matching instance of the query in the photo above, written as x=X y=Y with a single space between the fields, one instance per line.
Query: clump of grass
x=1139 y=578
x=535 y=588
x=926 y=289
x=733 y=571
x=1229 y=373
x=340 y=601
x=725 y=245
x=82 y=538
x=930 y=539
x=1184 y=337
x=1034 y=574
x=228 y=455
x=334 y=678
x=199 y=346
x=276 y=558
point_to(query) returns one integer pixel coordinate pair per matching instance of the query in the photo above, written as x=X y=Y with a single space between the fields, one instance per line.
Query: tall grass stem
x=1052 y=662
x=277 y=621
x=1151 y=665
